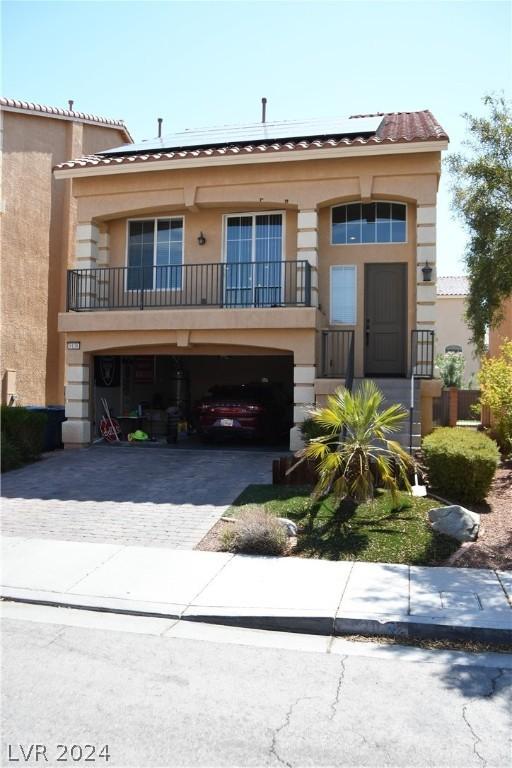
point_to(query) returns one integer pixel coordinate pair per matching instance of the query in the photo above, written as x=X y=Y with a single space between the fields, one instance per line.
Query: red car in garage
x=254 y=411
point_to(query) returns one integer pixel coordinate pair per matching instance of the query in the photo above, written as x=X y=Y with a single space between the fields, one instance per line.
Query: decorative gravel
x=493 y=548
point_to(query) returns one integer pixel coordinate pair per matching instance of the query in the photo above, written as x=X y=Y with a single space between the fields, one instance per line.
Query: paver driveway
x=145 y=496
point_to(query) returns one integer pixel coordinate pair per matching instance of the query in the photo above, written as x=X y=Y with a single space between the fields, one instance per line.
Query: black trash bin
x=56 y=415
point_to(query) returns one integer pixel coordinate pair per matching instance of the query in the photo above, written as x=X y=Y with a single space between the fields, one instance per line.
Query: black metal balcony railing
x=422 y=354
x=252 y=284
x=337 y=356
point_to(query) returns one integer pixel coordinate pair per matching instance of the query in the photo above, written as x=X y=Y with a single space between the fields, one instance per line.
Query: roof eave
x=293 y=155
x=121 y=128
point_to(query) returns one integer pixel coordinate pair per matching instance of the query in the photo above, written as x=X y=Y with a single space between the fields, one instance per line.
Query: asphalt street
x=148 y=692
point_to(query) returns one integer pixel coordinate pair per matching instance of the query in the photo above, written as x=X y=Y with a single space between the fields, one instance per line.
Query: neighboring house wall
x=28 y=148
x=38 y=217
x=498 y=335
x=305 y=190
x=452 y=329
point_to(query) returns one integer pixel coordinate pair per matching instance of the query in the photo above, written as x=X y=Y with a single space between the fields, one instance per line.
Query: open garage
x=161 y=396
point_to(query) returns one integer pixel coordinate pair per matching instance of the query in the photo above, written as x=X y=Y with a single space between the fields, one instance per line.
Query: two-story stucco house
x=38 y=218
x=299 y=253
x=452 y=331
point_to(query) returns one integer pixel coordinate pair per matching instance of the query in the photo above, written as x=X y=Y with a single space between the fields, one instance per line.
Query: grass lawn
x=378 y=532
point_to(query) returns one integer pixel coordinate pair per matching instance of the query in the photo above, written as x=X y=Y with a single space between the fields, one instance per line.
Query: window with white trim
x=343 y=295
x=380 y=222
x=254 y=254
x=155 y=254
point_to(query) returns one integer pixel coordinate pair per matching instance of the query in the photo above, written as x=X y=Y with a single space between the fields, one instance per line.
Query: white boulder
x=455 y=521
x=288 y=525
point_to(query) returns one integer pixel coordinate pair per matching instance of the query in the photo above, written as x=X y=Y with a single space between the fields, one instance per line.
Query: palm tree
x=354 y=455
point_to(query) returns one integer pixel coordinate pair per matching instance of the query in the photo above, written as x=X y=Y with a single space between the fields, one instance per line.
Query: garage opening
x=189 y=400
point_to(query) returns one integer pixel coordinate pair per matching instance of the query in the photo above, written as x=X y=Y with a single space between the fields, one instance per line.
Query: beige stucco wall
x=208 y=221
x=28 y=148
x=451 y=328
x=37 y=234
x=194 y=332
x=302 y=185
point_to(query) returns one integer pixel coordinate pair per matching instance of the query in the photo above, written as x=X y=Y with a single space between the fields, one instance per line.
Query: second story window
x=155 y=254
x=253 y=254
x=369 y=223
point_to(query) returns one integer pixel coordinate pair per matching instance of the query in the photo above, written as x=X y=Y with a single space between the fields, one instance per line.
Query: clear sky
x=208 y=63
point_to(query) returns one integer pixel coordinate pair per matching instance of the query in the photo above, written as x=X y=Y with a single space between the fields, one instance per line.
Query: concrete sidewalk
x=292 y=594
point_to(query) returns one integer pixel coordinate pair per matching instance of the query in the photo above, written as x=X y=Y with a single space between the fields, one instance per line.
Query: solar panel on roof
x=255 y=133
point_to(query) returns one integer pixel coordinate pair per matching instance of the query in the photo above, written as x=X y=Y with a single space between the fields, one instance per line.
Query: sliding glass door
x=254 y=253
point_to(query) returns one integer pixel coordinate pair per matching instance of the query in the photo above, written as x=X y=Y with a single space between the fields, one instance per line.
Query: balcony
x=225 y=286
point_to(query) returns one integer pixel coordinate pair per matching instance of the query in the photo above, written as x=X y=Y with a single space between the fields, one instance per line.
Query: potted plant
x=451 y=369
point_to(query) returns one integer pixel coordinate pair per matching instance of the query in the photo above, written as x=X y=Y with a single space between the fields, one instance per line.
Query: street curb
x=313 y=625
x=340 y=626
x=101 y=605
x=421 y=630
x=308 y=625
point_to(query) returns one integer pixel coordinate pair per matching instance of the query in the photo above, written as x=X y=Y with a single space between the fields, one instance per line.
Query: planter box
x=305 y=474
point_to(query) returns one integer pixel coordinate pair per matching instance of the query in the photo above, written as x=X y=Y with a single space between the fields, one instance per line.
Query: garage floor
x=128 y=495
x=234 y=445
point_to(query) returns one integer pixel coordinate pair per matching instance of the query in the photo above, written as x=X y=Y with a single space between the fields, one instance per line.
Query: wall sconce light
x=427 y=272
x=201 y=240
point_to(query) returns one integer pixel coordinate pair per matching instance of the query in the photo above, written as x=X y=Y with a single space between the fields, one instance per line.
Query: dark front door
x=385 y=318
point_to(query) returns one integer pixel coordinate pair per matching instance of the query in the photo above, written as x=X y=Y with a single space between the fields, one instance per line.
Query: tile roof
x=453 y=285
x=46 y=111
x=280 y=131
x=395 y=128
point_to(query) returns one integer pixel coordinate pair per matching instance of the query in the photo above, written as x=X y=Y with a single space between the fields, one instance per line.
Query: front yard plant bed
x=380 y=531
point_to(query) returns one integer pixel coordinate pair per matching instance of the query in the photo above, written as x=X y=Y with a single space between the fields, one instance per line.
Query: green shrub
x=310 y=429
x=255 y=532
x=22 y=435
x=11 y=455
x=496 y=393
x=461 y=463
x=451 y=368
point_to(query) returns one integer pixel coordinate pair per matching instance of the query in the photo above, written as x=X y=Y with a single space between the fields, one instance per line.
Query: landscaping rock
x=455 y=521
x=288 y=525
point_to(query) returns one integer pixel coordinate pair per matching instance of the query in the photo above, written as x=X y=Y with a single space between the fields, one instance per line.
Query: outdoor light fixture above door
x=201 y=240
